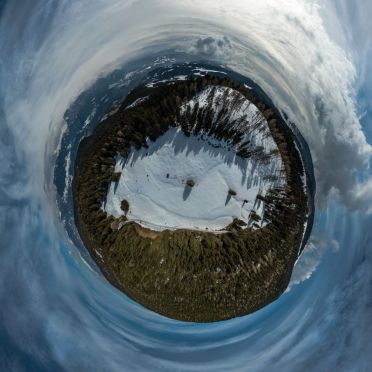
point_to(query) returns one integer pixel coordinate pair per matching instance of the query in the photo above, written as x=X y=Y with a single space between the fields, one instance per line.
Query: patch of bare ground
x=147 y=233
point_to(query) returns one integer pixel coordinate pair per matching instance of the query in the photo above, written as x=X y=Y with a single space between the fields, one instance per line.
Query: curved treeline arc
x=185 y=274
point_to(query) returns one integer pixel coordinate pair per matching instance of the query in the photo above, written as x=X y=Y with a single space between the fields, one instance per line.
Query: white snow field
x=153 y=179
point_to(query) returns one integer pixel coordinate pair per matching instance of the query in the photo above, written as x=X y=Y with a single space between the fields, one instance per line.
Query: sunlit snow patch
x=153 y=181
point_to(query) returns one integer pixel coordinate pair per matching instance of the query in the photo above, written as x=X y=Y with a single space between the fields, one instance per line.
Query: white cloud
x=310 y=259
x=50 y=54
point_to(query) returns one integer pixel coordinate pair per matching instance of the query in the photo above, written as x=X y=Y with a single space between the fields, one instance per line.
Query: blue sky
x=311 y=57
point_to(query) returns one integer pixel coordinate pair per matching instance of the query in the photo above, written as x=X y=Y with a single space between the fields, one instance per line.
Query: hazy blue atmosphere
x=62 y=66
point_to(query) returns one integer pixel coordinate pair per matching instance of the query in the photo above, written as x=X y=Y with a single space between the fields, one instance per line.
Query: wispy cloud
x=310 y=57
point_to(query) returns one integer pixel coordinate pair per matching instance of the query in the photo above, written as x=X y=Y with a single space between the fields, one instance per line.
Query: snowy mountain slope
x=153 y=180
x=242 y=116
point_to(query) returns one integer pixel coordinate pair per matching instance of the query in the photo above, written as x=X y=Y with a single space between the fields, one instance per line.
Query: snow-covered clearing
x=153 y=181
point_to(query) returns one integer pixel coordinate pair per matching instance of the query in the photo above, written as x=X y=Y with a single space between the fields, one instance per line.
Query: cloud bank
x=310 y=57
